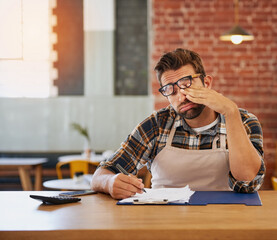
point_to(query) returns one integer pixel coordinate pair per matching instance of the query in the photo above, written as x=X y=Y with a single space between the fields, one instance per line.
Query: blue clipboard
x=203 y=198
x=225 y=197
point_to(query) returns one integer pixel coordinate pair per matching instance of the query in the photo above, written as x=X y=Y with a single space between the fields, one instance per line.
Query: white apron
x=202 y=170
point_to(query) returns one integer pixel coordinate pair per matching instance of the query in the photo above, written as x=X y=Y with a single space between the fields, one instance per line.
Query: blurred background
x=91 y=62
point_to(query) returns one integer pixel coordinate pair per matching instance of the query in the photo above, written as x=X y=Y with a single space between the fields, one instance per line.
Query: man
x=202 y=139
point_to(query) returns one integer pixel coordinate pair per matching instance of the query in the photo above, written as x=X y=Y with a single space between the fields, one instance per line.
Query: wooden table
x=98 y=217
x=24 y=165
x=95 y=158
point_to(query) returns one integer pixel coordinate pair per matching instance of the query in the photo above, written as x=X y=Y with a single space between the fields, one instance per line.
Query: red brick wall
x=246 y=73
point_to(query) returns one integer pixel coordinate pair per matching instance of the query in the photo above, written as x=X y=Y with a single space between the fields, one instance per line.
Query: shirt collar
x=220 y=127
x=172 y=112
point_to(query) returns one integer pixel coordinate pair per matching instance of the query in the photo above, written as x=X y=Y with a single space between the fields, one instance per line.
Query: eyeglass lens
x=181 y=83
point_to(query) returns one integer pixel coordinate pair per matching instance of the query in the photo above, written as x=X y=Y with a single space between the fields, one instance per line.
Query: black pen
x=122 y=170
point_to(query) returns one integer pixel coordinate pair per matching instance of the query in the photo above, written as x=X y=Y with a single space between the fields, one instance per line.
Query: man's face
x=178 y=101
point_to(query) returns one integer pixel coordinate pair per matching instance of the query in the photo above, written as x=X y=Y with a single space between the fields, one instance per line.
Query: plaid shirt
x=149 y=138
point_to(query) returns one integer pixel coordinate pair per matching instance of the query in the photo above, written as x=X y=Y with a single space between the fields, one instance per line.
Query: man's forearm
x=101 y=179
x=244 y=159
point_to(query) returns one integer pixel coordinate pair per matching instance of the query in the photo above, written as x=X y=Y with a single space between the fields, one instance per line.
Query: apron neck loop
x=222 y=140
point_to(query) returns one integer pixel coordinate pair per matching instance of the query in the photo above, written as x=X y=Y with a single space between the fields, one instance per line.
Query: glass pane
x=131 y=48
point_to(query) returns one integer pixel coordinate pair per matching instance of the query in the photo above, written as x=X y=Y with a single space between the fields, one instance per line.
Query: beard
x=192 y=112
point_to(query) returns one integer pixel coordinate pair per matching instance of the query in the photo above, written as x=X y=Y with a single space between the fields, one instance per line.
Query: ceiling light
x=237 y=34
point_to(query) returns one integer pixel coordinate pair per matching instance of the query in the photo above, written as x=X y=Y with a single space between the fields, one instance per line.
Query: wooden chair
x=146 y=176
x=75 y=166
x=274 y=182
x=147 y=180
x=274 y=177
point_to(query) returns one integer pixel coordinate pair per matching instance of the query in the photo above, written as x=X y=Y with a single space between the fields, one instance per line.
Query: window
x=41 y=48
x=24 y=60
x=11 y=29
x=131 y=48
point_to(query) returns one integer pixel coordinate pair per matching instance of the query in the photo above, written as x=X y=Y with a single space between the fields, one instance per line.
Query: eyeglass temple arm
x=196 y=75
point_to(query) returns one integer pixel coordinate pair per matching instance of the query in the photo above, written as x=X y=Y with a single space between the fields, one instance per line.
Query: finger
x=133 y=180
x=129 y=188
x=119 y=190
x=122 y=193
x=196 y=100
x=196 y=92
x=129 y=183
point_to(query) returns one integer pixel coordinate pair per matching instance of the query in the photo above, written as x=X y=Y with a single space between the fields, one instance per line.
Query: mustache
x=184 y=103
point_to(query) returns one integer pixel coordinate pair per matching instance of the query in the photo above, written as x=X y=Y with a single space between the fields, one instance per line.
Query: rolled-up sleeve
x=135 y=151
x=248 y=186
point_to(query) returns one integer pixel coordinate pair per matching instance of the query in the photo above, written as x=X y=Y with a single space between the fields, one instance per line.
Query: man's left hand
x=210 y=98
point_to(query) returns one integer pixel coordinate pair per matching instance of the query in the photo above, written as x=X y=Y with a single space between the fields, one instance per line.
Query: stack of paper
x=174 y=195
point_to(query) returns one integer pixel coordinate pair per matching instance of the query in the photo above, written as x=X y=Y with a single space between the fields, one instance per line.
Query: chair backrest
x=147 y=180
x=274 y=177
x=274 y=182
x=74 y=166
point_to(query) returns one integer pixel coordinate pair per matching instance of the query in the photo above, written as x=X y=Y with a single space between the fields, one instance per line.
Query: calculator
x=77 y=193
x=55 y=199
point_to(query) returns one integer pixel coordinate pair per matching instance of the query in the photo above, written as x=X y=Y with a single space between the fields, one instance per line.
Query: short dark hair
x=178 y=58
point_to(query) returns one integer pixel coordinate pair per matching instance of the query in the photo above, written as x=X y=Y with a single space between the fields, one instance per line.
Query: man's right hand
x=124 y=186
x=119 y=186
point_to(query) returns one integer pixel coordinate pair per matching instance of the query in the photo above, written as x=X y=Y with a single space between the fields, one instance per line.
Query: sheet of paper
x=181 y=195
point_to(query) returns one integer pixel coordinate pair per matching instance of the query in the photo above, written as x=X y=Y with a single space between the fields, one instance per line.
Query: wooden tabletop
x=94 y=158
x=21 y=161
x=69 y=183
x=98 y=217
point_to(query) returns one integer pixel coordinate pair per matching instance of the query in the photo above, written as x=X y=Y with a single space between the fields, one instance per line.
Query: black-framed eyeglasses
x=183 y=83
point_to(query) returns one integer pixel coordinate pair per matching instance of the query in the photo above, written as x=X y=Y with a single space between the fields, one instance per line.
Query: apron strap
x=223 y=141
x=172 y=132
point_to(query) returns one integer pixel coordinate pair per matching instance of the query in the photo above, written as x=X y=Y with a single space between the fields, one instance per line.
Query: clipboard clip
x=150 y=201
